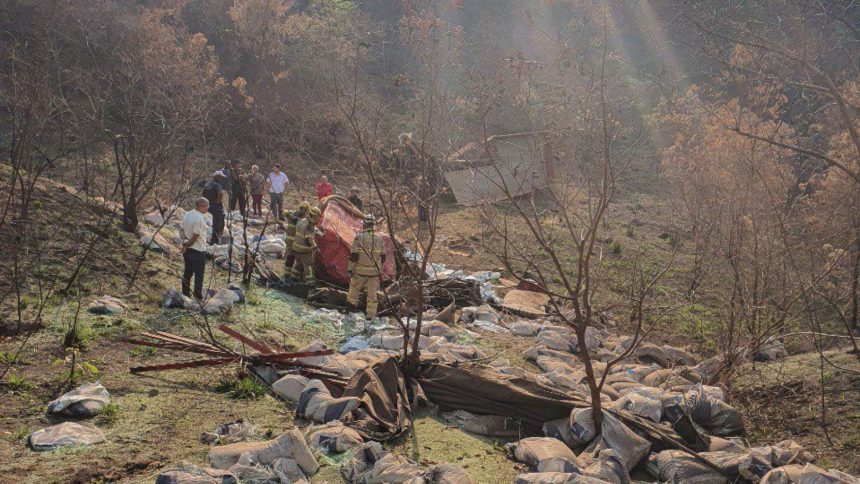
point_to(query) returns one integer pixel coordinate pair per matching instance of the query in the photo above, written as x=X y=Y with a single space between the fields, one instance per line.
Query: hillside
x=158 y=417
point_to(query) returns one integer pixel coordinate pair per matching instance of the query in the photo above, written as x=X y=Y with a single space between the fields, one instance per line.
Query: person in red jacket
x=324 y=188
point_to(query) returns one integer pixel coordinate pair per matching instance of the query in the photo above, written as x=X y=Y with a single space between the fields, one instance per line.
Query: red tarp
x=340 y=223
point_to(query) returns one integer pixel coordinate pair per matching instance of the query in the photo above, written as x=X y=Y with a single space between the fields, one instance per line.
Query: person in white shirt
x=193 y=232
x=277 y=182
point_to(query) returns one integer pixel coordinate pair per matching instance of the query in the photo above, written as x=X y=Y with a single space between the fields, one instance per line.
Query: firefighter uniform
x=293 y=219
x=304 y=247
x=366 y=261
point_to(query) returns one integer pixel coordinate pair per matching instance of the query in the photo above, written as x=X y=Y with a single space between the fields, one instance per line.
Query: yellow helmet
x=305 y=205
x=314 y=212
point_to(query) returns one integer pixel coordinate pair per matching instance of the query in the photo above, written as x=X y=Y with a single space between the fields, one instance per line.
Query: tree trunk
x=129 y=214
x=593 y=380
x=855 y=282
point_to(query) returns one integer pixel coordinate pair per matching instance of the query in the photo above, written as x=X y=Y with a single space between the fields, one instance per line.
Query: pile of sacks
x=645 y=383
x=371 y=463
x=220 y=301
x=609 y=456
x=287 y=458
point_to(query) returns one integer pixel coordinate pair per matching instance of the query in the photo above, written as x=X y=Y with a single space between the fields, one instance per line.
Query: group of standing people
x=229 y=189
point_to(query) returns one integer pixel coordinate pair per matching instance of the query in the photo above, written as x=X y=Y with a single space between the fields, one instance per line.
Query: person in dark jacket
x=215 y=192
x=238 y=188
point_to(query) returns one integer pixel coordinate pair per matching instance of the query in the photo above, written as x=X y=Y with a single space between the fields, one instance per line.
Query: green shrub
x=18 y=384
x=246 y=387
x=78 y=336
x=110 y=413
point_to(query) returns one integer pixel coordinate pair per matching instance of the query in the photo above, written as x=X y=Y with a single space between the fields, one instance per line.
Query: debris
x=356 y=343
x=678 y=467
x=317 y=403
x=528 y=303
x=609 y=467
x=228 y=264
x=154 y=218
x=290 y=387
x=715 y=415
x=334 y=438
x=228 y=433
x=107 y=305
x=372 y=463
x=187 y=473
x=541 y=452
x=486 y=425
x=175 y=299
x=290 y=445
x=772 y=349
x=614 y=435
x=156 y=243
x=65 y=434
x=525 y=328
x=85 y=401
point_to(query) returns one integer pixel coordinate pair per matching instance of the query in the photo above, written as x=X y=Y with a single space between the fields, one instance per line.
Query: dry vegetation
x=707 y=190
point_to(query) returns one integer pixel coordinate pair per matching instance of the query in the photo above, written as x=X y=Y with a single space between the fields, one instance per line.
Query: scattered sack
x=542 y=452
x=156 y=244
x=524 y=328
x=290 y=445
x=290 y=387
x=86 y=400
x=556 y=478
x=715 y=415
x=558 y=341
x=186 y=473
x=388 y=342
x=154 y=218
x=372 y=464
x=65 y=434
x=228 y=264
x=334 y=438
x=609 y=467
x=437 y=328
x=772 y=349
x=677 y=466
x=447 y=474
x=231 y=432
x=807 y=474
x=487 y=425
x=356 y=343
x=317 y=404
x=107 y=305
x=175 y=299
x=640 y=403
x=223 y=299
x=678 y=356
x=628 y=446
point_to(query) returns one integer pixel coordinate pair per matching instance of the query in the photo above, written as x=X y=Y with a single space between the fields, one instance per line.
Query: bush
x=110 y=413
x=246 y=387
x=18 y=384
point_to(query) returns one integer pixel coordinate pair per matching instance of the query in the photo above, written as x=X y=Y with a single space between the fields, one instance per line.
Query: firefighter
x=366 y=260
x=304 y=247
x=293 y=218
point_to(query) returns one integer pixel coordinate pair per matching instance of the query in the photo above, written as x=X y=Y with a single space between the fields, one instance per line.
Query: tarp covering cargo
x=341 y=222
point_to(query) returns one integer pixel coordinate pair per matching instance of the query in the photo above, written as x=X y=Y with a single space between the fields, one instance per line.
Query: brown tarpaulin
x=475 y=388
x=384 y=410
x=482 y=390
